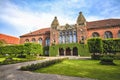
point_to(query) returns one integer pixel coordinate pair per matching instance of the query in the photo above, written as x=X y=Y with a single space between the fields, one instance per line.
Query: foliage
x=84 y=68
x=96 y=56
x=2 y=42
x=44 y=49
x=82 y=49
x=12 y=61
x=111 y=46
x=107 y=46
x=41 y=65
x=21 y=50
x=4 y=61
x=95 y=45
x=32 y=48
x=107 y=60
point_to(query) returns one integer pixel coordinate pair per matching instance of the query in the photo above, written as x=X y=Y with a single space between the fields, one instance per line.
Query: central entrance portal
x=68 y=51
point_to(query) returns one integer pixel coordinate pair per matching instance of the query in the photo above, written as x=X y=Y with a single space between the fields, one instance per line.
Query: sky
x=18 y=17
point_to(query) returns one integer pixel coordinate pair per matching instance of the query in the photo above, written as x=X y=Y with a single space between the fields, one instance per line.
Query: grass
x=17 y=60
x=2 y=59
x=84 y=68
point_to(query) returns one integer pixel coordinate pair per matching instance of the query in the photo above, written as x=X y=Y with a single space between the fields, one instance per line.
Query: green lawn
x=2 y=59
x=84 y=68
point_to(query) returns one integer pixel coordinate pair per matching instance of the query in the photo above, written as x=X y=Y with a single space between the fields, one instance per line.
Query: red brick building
x=75 y=33
x=9 y=39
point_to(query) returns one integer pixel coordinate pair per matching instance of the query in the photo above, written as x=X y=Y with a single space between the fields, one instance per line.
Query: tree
x=2 y=42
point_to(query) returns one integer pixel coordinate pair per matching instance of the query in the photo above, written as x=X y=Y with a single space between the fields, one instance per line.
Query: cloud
x=27 y=16
x=27 y=20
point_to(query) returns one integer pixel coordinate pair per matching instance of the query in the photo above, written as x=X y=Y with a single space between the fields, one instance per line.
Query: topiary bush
x=106 y=60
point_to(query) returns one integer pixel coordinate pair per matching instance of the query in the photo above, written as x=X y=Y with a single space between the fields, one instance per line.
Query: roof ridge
x=104 y=20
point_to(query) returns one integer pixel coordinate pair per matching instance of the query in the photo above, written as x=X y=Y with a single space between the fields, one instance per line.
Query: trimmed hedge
x=82 y=49
x=99 y=47
x=107 y=60
x=36 y=66
x=95 y=45
x=111 y=46
x=20 y=50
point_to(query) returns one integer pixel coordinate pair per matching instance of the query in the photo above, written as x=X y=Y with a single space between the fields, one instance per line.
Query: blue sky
x=18 y=17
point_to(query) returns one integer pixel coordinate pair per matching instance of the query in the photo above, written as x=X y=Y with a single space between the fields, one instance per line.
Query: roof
x=38 y=32
x=9 y=39
x=103 y=23
x=90 y=25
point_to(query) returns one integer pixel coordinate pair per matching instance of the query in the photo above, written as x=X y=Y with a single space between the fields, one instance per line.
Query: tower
x=81 y=28
x=54 y=32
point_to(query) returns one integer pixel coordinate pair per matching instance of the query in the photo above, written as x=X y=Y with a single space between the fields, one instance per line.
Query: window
x=47 y=41
x=33 y=40
x=60 y=38
x=70 y=36
x=95 y=34
x=74 y=37
x=27 y=40
x=40 y=41
x=119 y=34
x=108 y=34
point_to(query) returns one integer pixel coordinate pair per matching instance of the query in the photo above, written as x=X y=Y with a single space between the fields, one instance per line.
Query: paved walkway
x=11 y=72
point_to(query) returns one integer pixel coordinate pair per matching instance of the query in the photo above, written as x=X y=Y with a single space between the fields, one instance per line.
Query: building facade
x=75 y=33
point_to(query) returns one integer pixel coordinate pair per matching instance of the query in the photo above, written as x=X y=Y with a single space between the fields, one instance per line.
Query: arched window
x=27 y=40
x=108 y=34
x=74 y=37
x=119 y=34
x=40 y=41
x=47 y=41
x=95 y=34
x=33 y=40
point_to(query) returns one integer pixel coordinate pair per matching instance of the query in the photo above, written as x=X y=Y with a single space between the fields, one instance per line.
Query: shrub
x=21 y=56
x=21 y=50
x=96 y=56
x=111 y=46
x=95 y=45
x=33 y=67
x=106 y=60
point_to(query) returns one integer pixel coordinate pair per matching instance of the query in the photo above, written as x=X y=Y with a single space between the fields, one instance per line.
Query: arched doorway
x=61 y=51
x=68 y=51
x=75 y=51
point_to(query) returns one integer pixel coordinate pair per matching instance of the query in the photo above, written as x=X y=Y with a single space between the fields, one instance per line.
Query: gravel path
x=11 y=72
